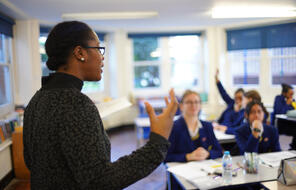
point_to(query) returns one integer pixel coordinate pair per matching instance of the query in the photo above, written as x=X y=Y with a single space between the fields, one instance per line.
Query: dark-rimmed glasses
x=101 y=49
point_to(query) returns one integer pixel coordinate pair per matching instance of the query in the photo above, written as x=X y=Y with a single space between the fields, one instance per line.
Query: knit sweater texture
x=66 y=146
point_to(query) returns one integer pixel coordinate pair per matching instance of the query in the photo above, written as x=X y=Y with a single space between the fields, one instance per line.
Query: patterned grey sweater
x=66 y=147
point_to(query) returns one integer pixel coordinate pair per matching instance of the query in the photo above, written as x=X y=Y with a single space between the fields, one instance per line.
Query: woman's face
x=191 y=105
x=289 y=94
x=93 y=66
x=238 y=98
x=256 y=113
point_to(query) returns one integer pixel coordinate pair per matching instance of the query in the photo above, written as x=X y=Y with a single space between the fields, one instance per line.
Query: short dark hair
x=253 y=94
x=62 y=39
x=239 y=90
x=286 y=88
x=255 y=102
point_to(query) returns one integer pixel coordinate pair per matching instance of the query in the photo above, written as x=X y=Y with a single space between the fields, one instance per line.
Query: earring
x=82 y=58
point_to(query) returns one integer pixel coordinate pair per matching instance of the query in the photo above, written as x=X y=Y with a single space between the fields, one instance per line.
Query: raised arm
x=228 y=100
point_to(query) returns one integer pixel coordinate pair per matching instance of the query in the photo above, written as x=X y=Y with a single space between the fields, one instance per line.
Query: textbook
x=108 y=108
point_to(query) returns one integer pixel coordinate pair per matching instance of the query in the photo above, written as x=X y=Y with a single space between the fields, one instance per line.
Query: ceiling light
x=109 y=15
x=252 y=12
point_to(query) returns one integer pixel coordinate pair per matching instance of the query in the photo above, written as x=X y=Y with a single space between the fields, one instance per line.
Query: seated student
x=239 y=117
x=283 y=102
x=192 y=139
x=234 y=106
x=256 y=136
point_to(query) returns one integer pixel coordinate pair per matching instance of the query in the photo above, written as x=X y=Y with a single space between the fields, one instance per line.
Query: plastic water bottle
x=227 y=167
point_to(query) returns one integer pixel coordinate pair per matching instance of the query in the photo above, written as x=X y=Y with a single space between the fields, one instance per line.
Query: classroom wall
x=118 y=69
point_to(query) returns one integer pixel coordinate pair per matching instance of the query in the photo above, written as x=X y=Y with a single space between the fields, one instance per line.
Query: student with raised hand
x=239 y=118
x=283 y=102
x=234 y=106
x=65 y=144
x=255 y=135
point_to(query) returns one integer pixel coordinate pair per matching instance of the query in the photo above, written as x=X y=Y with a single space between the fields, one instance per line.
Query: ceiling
x=173 y=15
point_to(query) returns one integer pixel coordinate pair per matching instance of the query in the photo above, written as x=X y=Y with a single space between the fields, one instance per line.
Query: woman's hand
x=199 y=154
x=162 y=124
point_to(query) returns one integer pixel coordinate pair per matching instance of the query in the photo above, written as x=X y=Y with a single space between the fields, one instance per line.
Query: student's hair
x=239 y=90
x=253 y=94
x=187 y=93
x=62 y=40
x=286 y=88
x=255 y=102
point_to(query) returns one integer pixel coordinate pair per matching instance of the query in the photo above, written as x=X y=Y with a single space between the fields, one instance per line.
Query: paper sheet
x=274 y=159
x=193 y=170
x=222 y=136
x=108 y=108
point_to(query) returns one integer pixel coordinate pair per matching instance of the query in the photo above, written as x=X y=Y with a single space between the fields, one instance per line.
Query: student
x=256 y=136
x=192 y=139
x=283 y=102
x=234 y=106
x=239 y=118
x=65 y=145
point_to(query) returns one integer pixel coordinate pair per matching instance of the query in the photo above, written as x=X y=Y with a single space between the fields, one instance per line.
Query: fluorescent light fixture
x=109 y=15
x=252 y=12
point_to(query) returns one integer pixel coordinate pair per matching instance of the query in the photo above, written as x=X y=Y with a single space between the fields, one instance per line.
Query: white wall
x=26 y=56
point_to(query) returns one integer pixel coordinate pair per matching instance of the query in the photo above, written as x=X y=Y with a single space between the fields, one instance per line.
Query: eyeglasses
x=192 y=102
x=101 y=49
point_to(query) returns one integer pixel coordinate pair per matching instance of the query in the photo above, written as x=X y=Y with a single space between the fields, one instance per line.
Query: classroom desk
x=286 y=125
x=144 y=123
x=265 y=174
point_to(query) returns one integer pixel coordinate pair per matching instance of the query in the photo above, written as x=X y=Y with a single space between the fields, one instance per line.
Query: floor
x=123 y=142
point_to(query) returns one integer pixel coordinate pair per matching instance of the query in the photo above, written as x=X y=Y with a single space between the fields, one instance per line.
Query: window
x=179 y=56
x=245 y=66
x=88 y=87
x=146 y=62
x=5 y=71
x=283 y=65
x=184 y=60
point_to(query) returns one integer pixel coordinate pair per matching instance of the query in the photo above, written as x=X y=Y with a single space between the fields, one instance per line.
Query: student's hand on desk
x=257 y=128
x=221 y=128
x=162 y=124
x=197 y=155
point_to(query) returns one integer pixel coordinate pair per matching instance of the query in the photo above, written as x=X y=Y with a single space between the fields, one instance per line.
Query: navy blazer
x=280 y=106
x=269 y=142
x=229 y=117
x=181 y=142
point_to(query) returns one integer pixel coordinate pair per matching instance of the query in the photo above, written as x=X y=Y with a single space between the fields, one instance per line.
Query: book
x=8 y=130
x=2 y=125
x=2 y=137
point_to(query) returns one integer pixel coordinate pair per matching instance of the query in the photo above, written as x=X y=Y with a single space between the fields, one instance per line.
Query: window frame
x=8 y=107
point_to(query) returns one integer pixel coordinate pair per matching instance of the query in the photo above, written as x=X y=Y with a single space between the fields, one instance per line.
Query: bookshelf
x=5 y=144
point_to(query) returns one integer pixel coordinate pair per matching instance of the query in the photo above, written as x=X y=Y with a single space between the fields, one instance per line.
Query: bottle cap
x=226 y=152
